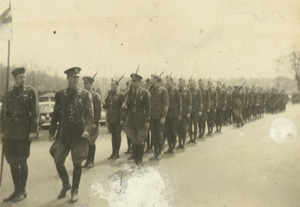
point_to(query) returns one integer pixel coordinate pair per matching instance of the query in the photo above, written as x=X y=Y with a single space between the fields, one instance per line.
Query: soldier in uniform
x=159 y=110
x=237 y=106
x=113 y=105
x=228 y=110
x=174 y=114
x=197 y=108
x=206 y=108
x=137 y=108
x=212 y=112
x=221 y=104
x=73 y=118
x=17 y=129
x=186 y=99
x=88 y=82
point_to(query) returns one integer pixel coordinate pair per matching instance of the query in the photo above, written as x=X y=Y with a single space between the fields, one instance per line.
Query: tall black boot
x=63 y=174
x=129 y=145
x=113 y=143
x=91 y=156
x=76 y=180
x=16 y=180
x=117 y=149
x=134 y=153
x=23 y=180
x=87 y=162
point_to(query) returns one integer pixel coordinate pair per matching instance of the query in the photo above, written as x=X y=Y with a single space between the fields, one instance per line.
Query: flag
x=6 y=25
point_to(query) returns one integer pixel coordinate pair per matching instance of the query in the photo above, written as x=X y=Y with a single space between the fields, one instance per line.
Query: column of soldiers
x=146 y=111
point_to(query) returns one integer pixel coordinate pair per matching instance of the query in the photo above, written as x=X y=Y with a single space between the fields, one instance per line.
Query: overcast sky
x=207 y=38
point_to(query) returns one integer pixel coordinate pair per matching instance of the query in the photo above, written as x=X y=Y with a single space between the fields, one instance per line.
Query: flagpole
x=4 y=104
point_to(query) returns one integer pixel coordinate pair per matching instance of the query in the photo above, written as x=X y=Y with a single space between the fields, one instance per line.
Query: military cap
x=73 y=71
x=88 y=79
x=18 y=71
x=135 y=76
x=114 y=81
x=156 y=77
x=169 y=77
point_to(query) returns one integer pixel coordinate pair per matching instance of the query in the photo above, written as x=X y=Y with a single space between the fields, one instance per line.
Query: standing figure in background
x=212 y=113
x=220 y=105
x=113 y=105
x=88 y=82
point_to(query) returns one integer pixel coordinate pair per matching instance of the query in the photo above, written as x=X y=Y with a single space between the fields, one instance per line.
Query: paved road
x=240 y=167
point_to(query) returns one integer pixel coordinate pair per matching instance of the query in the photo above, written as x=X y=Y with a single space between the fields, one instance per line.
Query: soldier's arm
x=200 y=100
x=121 y=101
x=189 y=102
x=2 y=114
x=165 y=103
x=97 y=109
x=225 y=98
x=34 y=110
x=147 y=106
x=179 y=103
x=56 y=115
x=217 y=99
x=88 y=112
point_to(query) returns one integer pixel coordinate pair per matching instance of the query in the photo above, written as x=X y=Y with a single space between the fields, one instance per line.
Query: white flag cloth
x=6 y=25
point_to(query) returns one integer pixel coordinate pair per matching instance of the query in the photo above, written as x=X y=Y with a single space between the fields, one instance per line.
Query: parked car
x=102 y=120
x=46 y=110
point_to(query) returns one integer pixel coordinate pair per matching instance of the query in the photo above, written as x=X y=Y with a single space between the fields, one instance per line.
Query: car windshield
x=44 y=108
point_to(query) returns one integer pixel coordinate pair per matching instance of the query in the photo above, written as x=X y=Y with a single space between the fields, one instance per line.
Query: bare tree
x=292 y=63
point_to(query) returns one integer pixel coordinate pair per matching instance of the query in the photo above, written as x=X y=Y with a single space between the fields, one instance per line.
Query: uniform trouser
x=182 y=129
x=171 y=131
x=92 y=145
x=219 y=118
x=228 y=115
x=211 y=120
x=148 y=140
x=157 y=130
x=202 y=123
x=138 y=135
x=115 y=130
x=16 y=153
x=193 y=122
x=79 y=152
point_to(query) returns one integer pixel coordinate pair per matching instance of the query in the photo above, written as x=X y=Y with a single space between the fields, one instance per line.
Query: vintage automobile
x=46 y=110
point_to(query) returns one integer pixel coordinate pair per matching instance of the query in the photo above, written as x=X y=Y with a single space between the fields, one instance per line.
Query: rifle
x=161 y=73
x=241 y=86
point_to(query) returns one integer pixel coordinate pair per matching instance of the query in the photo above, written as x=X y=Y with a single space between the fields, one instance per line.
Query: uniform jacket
x=159 y=102
x=113 y=105
x=186 y=99
x=175 y=103
x=213 y=99
x=197 y=101
x=73 y=114
x=229 y=100
x=221 y=99
x=138 y=108
x=22 y=113
x=97 y=107
x=206 y=98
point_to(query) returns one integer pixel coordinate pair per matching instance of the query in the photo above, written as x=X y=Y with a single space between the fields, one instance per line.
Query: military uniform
x=137 y=113
x=212 y=112
x=220 y=105
x=186 y=99
x=197 y=106
x=237 y=106
x=73 y=115
x=113 y=105
x=174 y=111
x=206 y=109
x=21 y=107
x=159 y=109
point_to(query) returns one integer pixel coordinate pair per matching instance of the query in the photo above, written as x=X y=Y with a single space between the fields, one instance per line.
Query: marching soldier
x=197 y=107
x=159 y=110
x=137 y=108
x=88 y=82
x=174 y=114
x=206 y=108
x=73 y=118
x=17 y=130
x=212 y=112
x=186 y=99
x=228 y=110
x=113 y=105
x=129 y=145
x=221 y=104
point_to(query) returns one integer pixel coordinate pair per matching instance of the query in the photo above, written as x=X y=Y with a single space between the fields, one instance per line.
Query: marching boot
x=118 y=144
x=16 y=180
x=63 y=174
x=129 y=149
x=23 y=179
x=92 y=156
x=113 y=149
x=76 y=180
x=158 y=153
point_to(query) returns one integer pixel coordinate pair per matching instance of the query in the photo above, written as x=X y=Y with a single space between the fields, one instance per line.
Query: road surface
x=254 y=166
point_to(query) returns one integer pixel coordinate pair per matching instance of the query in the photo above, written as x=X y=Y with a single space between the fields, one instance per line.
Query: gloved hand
x=85 y=135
